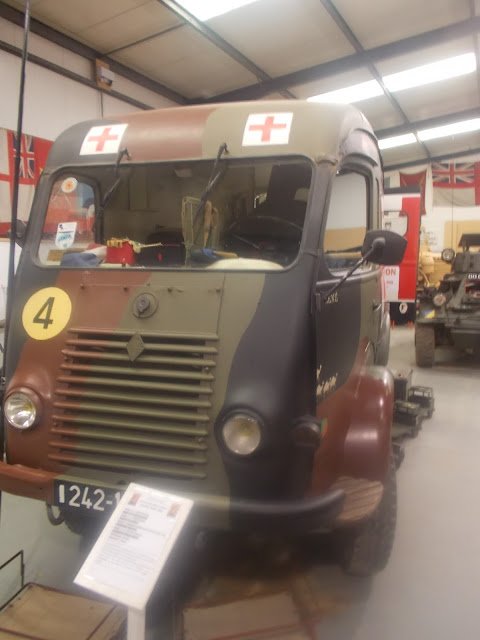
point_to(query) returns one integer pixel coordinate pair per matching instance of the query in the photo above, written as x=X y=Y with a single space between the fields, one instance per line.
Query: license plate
x=85 y=497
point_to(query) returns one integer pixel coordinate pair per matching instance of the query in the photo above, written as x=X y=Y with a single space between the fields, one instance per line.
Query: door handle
x=376 y=305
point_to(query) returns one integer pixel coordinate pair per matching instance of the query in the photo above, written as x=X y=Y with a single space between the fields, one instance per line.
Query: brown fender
x=367 y=444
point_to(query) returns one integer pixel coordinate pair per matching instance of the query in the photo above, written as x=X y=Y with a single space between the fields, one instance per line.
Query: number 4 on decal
x=44 y=313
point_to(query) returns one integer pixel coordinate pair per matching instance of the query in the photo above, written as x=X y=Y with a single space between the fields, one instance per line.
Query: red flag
x=456 y=184
x=420 y=178
x=33 y=157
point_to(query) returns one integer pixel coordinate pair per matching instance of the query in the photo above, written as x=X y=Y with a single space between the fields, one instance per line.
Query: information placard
x=131 y=551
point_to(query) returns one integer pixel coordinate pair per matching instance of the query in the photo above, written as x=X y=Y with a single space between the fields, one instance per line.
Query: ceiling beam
x=354 y=61
x=219 y=42
x=62 y=40
x=439 y=158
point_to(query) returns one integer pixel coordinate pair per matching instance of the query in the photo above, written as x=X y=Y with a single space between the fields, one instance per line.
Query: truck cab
x=198 y=308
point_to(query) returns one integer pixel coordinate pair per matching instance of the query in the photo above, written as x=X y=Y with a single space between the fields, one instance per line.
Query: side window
x=396 y=221
x=347 y=220
x=68 y=225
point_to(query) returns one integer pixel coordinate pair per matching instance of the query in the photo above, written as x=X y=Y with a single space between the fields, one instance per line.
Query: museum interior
x=239 y=319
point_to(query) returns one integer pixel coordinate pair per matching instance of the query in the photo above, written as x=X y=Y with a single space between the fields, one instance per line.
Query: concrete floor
x=431 y=586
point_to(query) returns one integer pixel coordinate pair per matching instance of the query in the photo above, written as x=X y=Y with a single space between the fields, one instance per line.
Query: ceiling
x=285 y=48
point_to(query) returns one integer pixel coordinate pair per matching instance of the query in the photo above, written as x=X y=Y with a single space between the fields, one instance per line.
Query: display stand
x=136 y=624
x=128 y=557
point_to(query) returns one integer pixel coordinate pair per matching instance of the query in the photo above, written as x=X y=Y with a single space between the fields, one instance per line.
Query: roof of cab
x=268 y=128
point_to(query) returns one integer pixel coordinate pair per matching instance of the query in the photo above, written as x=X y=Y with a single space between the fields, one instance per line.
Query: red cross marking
x=267 y=128
x=101 y=139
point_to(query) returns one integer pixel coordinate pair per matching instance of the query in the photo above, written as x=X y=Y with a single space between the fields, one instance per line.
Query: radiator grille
x=134 y=402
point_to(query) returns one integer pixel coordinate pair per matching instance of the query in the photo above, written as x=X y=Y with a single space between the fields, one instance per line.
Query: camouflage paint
x=264 y=322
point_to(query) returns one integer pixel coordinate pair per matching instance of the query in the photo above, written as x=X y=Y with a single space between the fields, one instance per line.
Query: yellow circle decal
x=46 y=313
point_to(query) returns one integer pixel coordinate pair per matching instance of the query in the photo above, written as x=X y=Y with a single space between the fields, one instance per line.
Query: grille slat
x=194 y=444
x=187 y=362
x=139 y=372
x=134 y=426
x=134 y=384
x=179 y=348
x=161 y=400
x=150 y=453
x=126 y=464
x=134 y=402
x=113 y=409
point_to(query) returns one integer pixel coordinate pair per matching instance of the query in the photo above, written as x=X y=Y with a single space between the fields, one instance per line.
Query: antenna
x=18 y=149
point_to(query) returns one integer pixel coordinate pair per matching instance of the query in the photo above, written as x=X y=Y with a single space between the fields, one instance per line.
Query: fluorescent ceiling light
x=419 y=76
x=206 y=9
x=430 y=134
x=429 y=73
x=450 y=129
x=355 y=93
x=397 y=141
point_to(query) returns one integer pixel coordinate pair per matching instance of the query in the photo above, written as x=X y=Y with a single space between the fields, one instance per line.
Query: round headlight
x=439 y=299
x=242 y=434
x=20 y=410
x=448 y=255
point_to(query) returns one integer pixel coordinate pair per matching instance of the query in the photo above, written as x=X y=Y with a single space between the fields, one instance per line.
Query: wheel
x=82 y=525
x=365 y=549
x=424 y=345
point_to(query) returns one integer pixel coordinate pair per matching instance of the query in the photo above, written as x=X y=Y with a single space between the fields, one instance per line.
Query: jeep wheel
x=424 y=345
x=366 y=549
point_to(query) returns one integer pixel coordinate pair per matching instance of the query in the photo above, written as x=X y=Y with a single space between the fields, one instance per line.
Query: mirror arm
x=376 y=244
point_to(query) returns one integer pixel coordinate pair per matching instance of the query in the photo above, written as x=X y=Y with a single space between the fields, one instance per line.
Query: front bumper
x=304 y=515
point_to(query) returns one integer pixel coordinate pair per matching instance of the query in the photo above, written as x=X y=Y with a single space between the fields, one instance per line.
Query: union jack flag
x=456 y=183
x=458 y=175
x=27 y=158
x=33 y=158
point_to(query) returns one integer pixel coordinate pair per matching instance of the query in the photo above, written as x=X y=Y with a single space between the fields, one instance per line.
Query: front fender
x=366 y=451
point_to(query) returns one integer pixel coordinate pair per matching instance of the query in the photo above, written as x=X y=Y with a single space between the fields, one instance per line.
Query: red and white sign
x=105 y=139
x=391 y=278
x=267 y=128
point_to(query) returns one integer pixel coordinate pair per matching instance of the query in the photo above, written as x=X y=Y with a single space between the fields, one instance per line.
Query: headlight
x=21 y=409
x=439 y=299
x=242 y=434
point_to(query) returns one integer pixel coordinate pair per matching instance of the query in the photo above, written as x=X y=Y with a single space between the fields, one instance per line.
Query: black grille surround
x=134 y=402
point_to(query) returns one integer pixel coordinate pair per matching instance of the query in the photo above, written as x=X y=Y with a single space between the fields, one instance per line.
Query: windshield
x=252 y=219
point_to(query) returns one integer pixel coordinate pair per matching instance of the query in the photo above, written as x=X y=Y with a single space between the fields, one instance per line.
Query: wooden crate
x=41 y=613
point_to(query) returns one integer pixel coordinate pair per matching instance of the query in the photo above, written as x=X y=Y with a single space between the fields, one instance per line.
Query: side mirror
x=20 y=233
x=384 y=247
x=448 y=255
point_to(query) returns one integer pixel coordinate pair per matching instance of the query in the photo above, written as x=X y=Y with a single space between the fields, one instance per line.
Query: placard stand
x=130 y=553
x=135 y=624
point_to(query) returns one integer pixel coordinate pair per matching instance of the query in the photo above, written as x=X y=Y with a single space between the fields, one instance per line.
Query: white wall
x=53 y=102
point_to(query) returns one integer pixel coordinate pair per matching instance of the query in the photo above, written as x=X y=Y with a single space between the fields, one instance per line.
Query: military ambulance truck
x=198 y=308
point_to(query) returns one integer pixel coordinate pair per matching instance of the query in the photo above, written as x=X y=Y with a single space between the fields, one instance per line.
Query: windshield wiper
x=110 y=192
x=212 y=181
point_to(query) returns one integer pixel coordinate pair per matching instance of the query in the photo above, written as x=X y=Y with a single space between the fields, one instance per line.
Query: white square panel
x=281 y=36
x=130 y=26
x=187 y=62
x=378 y=23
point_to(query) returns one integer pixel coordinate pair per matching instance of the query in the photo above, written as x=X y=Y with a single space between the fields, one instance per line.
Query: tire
x=366 y=549
x=424 y=345
x=82 y=525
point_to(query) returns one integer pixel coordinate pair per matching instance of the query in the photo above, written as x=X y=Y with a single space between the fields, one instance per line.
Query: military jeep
x=449 y=314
